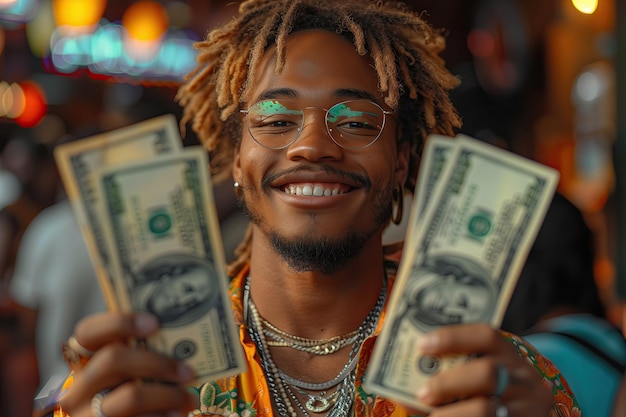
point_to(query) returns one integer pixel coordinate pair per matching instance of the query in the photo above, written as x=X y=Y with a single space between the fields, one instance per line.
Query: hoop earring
x=397 y=201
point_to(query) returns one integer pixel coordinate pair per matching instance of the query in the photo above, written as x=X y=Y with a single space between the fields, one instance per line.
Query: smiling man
x=318 y=109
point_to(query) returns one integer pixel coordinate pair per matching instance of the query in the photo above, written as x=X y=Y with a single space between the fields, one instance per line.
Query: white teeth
x=309 y=190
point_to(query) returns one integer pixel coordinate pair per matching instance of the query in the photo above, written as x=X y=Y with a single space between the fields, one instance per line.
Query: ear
x=402 y=162
x=237 y=175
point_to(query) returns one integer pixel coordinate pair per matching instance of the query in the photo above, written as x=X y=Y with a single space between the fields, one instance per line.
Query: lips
x=315 y=189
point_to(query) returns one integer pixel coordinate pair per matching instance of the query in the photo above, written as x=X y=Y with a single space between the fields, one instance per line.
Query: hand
x=475 y=382
x=133 y=381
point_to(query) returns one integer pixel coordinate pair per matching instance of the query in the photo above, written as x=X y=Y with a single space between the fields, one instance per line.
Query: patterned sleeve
x=565 y=404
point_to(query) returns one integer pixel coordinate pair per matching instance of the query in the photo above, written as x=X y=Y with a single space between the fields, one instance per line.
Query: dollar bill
x=468 y=248
x=163 y=236
x=435 y=154
x=77 y=162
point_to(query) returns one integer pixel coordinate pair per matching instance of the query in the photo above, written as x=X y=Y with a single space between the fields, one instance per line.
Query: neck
x=307 y=304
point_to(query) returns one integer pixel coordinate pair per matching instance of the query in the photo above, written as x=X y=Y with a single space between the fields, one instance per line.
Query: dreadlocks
x=403 y=47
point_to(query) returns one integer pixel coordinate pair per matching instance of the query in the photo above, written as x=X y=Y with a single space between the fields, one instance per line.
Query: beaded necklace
x=341 y=400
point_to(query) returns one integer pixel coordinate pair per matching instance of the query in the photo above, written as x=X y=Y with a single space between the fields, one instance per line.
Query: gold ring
x=75 y=354
x=78 y=348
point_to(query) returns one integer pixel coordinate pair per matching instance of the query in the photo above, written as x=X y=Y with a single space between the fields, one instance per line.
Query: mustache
x=359 y=179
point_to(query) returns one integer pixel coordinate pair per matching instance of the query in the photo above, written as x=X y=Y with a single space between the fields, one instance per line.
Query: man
x=311 y=283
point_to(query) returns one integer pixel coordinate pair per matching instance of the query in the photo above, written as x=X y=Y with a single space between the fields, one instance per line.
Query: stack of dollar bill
x=146 y=210
x=475 y=215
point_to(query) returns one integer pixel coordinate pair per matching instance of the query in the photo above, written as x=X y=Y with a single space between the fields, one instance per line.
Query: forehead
x=318 y=64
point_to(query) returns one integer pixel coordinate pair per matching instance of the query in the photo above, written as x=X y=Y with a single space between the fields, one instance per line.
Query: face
x=453 y=302
x=176 y=294
x=313 y=199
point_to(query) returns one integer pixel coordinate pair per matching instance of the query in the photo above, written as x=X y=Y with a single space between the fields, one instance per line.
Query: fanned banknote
x=161 y=225
x=469 y=241
x=436 y=152
x=77 y=162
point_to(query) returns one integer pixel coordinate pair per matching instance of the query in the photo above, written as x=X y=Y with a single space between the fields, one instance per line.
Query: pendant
x=327 y=348
x=317 y=404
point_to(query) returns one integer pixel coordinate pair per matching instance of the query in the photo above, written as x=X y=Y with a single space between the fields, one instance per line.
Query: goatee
x=322 y=254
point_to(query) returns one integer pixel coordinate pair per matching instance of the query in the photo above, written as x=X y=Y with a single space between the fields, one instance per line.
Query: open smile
x=315 y=189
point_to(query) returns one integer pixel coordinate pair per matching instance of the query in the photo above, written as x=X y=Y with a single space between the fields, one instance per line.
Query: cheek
x=253 y=160
x=381 y=165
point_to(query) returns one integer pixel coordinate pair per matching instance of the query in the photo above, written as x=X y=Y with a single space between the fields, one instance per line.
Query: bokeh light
x=35 y=106
x=585 y=6
x=145 y=20
x=25 y=102
x=78 y=15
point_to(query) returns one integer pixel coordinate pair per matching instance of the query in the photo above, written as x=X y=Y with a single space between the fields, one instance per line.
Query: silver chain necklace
x=339 y=402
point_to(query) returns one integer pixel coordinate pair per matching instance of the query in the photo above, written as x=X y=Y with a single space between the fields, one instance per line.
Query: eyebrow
x=342 y=93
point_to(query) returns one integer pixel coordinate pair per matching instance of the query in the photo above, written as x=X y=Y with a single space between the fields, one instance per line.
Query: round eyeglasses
x=352 y=124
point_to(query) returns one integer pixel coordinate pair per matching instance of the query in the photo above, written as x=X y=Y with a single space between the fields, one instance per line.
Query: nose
x=314 y=142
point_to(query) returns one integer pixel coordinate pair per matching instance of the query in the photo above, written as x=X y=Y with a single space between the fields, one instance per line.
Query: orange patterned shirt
x=248 y=395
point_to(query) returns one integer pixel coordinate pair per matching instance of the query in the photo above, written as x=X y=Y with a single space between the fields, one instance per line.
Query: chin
x=321 y=254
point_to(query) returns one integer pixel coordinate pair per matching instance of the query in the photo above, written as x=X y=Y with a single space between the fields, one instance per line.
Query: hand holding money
x=146 y=210
x=476 y=213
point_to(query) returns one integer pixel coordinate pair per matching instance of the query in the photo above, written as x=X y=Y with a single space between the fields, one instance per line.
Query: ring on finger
x=502 y=381
x=96 y=404
x=76 y=354
x=78 y=348
x=500 y=407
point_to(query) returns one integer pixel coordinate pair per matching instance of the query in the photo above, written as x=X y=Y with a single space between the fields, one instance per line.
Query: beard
x=322 y=254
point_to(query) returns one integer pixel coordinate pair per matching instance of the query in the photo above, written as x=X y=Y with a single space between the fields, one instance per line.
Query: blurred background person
x=32 y=165
x=54 y=285
x=557 y=307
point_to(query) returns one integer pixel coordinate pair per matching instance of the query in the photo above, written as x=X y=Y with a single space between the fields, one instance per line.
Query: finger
x=136 y=399
x=477 y=338
x=475 y=407
x=116 y=364
x=139 y=398
x=98 y=330
x=481 y=377
x=477 y=377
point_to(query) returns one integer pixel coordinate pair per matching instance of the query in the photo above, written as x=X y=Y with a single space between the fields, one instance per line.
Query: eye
x=356 y=118
x=270 y=115
x=355 y=125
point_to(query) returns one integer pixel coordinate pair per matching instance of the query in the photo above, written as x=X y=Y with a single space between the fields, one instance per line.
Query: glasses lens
x=274 y=124
x=355 y=124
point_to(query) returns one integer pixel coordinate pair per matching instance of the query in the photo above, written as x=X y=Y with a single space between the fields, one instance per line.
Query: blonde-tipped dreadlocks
x=404 y=48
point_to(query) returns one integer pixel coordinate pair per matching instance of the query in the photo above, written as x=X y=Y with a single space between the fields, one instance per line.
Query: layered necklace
x=284 y=387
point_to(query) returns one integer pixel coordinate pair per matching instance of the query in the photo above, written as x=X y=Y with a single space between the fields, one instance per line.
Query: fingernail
x=146 y=323
x=428 y=342
x=423 y=393
x=185 y=373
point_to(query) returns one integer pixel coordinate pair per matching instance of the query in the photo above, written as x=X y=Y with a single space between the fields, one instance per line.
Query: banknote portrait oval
x=184 y=349
x=449 y=289
x=177 y=288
